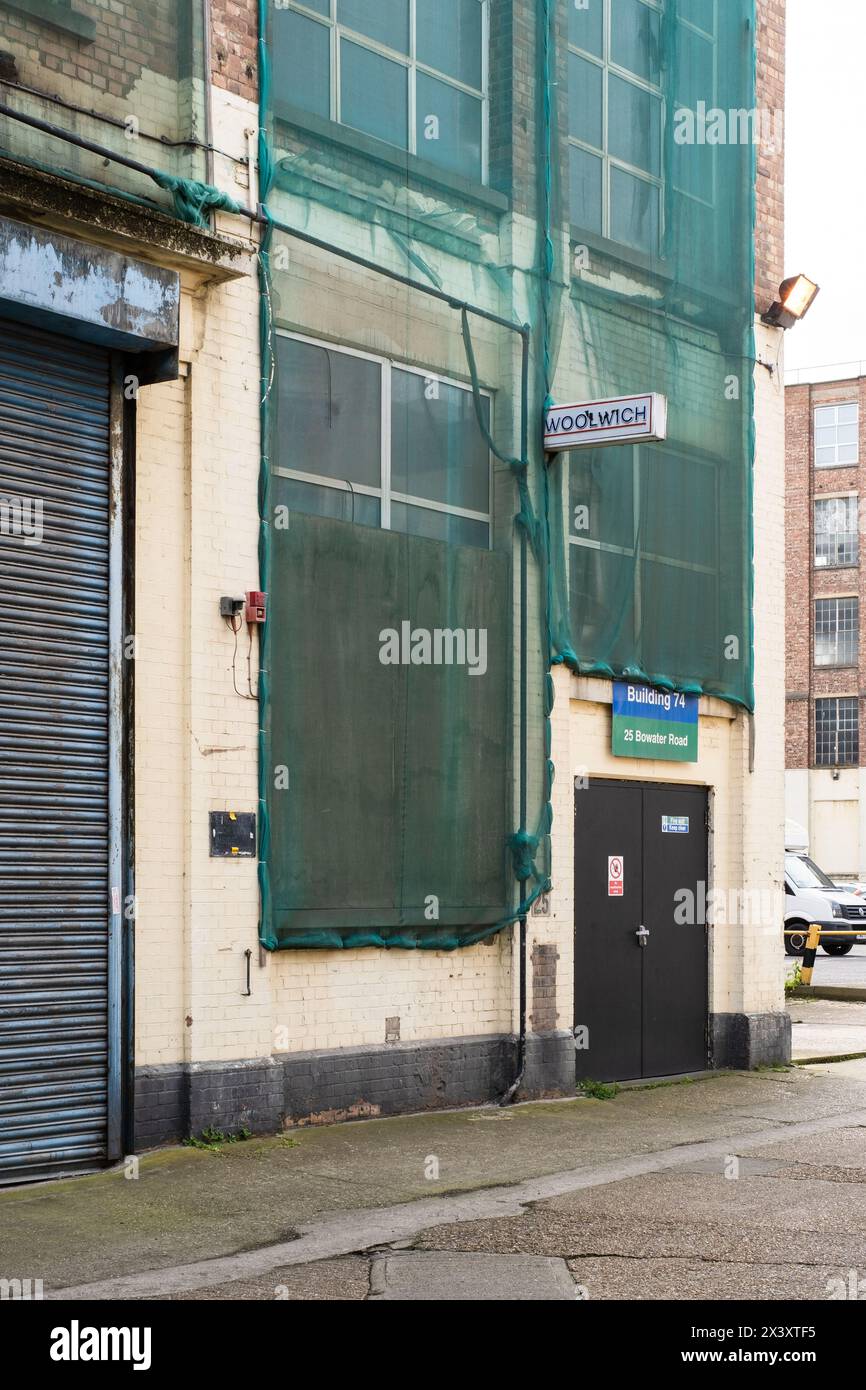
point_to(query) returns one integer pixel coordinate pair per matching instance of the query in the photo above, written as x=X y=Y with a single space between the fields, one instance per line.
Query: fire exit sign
x=650 y=723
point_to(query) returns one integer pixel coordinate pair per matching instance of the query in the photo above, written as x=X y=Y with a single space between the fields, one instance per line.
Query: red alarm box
x=257 y=606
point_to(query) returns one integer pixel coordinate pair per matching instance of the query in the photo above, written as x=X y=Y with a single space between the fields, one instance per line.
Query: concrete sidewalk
x=823 y=1028
x=610 y=1186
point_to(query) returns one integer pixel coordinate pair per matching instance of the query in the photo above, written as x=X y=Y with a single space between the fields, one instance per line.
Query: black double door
x=640 y=938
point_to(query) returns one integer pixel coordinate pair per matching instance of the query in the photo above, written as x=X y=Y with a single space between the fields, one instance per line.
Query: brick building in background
x=825 y=478
x=136 y=1003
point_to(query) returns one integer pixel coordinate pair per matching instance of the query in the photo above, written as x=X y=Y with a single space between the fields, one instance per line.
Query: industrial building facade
x=824 y=765
x=363 y=856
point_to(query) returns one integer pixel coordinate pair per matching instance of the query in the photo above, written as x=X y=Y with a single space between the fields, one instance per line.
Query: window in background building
x=837 y=540
x=362 y=439
x=837 y=732
x=837 y=631
x=412 y=73
x=836 y=428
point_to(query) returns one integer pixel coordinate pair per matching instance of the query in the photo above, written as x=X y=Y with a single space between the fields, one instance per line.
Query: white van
x=810 y=896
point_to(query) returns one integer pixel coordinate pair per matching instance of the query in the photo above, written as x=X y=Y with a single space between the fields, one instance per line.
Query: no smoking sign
x=615 y=869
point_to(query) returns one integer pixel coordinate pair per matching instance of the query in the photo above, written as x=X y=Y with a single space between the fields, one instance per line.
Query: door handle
x=642 y=935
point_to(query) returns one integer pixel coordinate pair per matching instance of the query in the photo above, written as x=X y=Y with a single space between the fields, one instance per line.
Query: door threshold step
x=643 y=1082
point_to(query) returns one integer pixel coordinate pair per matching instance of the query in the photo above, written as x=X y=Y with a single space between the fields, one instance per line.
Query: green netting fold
x=194 y=201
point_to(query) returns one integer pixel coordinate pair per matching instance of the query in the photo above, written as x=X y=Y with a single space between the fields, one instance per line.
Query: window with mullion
x=837 y=631
x=412 y=73
x=365 y=440
x=694 y=166
x=837 y=432
x=837 y=540
x=617 y=115
x=837 y=732
x=616 y=121
x=634 y=556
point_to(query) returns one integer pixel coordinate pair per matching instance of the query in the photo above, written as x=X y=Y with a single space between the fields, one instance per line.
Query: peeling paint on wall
x=64 y=282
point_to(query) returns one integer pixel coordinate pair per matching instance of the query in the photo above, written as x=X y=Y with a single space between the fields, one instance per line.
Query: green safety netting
x=501 y=205
x=596 y=243
x=656 y=582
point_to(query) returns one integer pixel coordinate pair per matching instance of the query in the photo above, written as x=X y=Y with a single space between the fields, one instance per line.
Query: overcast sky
x=826 y=195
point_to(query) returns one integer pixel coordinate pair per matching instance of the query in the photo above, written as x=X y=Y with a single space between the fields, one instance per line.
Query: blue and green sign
x=651 y=723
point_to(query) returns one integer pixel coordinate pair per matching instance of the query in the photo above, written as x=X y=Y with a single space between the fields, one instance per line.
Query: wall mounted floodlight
x=796 y=297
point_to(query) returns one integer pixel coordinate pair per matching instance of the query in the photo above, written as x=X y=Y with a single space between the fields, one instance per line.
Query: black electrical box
x=232 y=835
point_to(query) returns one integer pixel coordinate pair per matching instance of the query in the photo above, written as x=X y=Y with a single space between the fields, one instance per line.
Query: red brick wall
x=234 y=46
x=129 y=39
x=770 y=267
x=805 y=583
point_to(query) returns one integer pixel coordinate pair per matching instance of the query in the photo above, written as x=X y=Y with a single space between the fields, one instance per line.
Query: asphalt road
x=841 y=970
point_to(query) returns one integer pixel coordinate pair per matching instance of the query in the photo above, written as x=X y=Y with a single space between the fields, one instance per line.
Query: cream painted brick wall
x=161 y=807
x=761 y=987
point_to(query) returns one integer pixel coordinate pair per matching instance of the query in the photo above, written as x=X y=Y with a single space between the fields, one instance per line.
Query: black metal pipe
x=116 y=121
x=48 y=128
x=93 y=147
x=248 y=955
x=208 y=90
x=430 y=290
x=513 y=1089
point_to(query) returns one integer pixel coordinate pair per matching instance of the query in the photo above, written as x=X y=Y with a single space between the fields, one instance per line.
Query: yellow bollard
x=813 y=941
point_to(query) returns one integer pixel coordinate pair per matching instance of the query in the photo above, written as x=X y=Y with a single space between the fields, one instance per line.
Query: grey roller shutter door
x=54 y=753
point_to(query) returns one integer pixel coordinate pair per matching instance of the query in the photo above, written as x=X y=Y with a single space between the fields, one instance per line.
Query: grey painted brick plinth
x=745 y=1041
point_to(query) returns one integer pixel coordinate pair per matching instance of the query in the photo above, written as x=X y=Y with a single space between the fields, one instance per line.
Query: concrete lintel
x=96 y=215
x=86 y=291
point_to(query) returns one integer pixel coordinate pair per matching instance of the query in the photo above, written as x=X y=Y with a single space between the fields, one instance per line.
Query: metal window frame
x=713 y=39
x=610 y=161
x=833 y=629
x=837 y=538
x=384 y=492
x=835 y=406
x=410 y=61
x=832 y=728
x=635 y=552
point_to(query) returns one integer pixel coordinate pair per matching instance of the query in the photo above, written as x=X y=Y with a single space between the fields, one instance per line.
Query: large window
x=837 y=541
x=636 y=558
x=617 y=114
x=836 y=429
x=837 y=732
x=362 y=439
x=410 y=72
x=837 y=631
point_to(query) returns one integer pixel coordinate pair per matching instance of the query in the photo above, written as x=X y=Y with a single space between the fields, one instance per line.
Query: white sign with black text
x=620 y=420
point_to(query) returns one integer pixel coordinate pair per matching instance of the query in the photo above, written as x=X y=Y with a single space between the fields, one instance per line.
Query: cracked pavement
x=729 y=1187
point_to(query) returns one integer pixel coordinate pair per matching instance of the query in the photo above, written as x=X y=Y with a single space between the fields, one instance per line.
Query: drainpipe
x=207 y=20
x=513 y=1089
